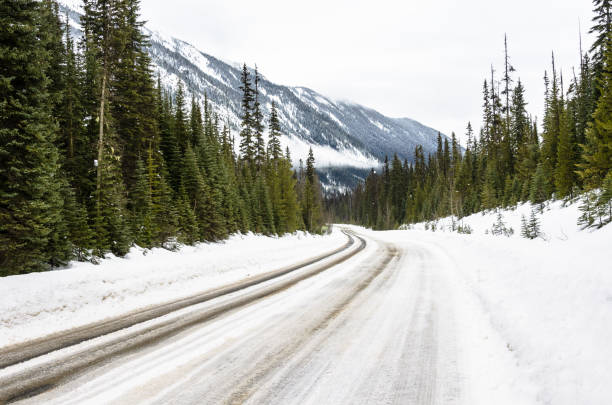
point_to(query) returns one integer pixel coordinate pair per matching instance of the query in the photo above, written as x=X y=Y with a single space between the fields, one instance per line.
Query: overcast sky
x=420 y=59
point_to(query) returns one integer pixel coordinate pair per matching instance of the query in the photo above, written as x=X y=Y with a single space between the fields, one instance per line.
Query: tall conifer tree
x=30 y=201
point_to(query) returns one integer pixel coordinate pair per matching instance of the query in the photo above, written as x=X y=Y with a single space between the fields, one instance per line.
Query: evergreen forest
x=512 y=158
x=96 y=156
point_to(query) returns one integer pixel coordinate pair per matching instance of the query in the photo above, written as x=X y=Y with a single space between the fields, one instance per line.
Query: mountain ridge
x=348 y=139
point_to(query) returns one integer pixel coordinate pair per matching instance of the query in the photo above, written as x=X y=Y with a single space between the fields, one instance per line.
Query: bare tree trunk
x=71 y=138
x=101 y=138
x=105 y=74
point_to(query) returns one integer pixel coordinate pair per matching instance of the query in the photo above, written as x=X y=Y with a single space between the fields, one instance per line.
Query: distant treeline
x=95 y=156
x=509 y=162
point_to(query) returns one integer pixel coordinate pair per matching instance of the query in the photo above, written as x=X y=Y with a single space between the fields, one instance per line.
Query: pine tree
x=132 y=99
x=142 y=208
x=164 y=208
x=102 y=46
x=289 y=209
x=180 y=119
x=274 y=147
x=258 y=126
x=30 y=200
x=524 y=227
x=603 y=29
x=604 y=202
x=565 y=170
x=489 y=188
x=519 y=124
x=198 y=192
x=187 y=221
x=247 y=149
x=487 y=115
x=552 y=126
x=72 y=142
x=499 y=227
x=588 y=209
x=264 y=212
x=597 y=154
x=530 y=228
x=196 y=125
x=168 y=144
x=111 y=222
x=79 y=233
x=538 y=193
x=585 y=100
x=311 y=204
x=51 y=25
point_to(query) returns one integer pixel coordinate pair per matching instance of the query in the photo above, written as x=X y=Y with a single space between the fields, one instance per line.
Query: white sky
x=420 y=59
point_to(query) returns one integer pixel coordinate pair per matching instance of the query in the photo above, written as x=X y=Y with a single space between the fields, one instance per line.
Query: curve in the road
x=30 y=381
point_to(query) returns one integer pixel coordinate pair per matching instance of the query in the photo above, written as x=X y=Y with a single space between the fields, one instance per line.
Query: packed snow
x=548 y=299
x=37 y=304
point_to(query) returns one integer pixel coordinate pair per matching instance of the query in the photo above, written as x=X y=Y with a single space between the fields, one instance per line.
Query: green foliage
x=111 y=222
x=79 y=232
x=247 y=148
x=530 y=228
x=597 y=154
x=274 y=148
x=588 y=209
x=96 y=159
x=187 y=222
x=499 y=227
x=30 y=201
x=258 y=126
x=288 y=213
x=142 y=220
x=604 y=202
x=565 y=173
x=263 y=210
x=602 y=27
x=311 y=197
x=509 y=162
x=164 y=208
x=464 y=229
x=596 y=206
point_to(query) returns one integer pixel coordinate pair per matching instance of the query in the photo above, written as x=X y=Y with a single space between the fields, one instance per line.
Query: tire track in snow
x=378 y=329
x=31 y=381
x=274 y=361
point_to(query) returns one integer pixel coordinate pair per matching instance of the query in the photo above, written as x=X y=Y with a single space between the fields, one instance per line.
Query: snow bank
x=558 y=220
x=549 y=299
x=38 y=304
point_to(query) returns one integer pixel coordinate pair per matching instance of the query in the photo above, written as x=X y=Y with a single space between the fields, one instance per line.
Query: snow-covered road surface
x=32 y=348
x=392 y=324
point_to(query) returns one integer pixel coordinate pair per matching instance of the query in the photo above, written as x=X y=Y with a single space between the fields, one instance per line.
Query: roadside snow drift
x=38 y=304
x=549 y=299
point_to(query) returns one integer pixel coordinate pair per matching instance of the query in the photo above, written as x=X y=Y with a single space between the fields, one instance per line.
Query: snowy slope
x=550 y=300
x=342 y=135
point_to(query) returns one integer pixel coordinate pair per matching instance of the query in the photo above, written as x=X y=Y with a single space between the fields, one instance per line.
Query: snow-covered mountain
x=347 y=139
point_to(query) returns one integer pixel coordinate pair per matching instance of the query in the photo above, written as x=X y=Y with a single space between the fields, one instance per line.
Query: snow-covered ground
x=38 y=304
x=504 y=320
x=549 y=300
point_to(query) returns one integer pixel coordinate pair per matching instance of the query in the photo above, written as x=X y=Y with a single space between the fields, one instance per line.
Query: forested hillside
x=348 y=139
x=508 y=161
x=96 y=156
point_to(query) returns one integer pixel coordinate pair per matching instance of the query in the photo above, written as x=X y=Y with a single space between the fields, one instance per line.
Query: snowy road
x=390 y=324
